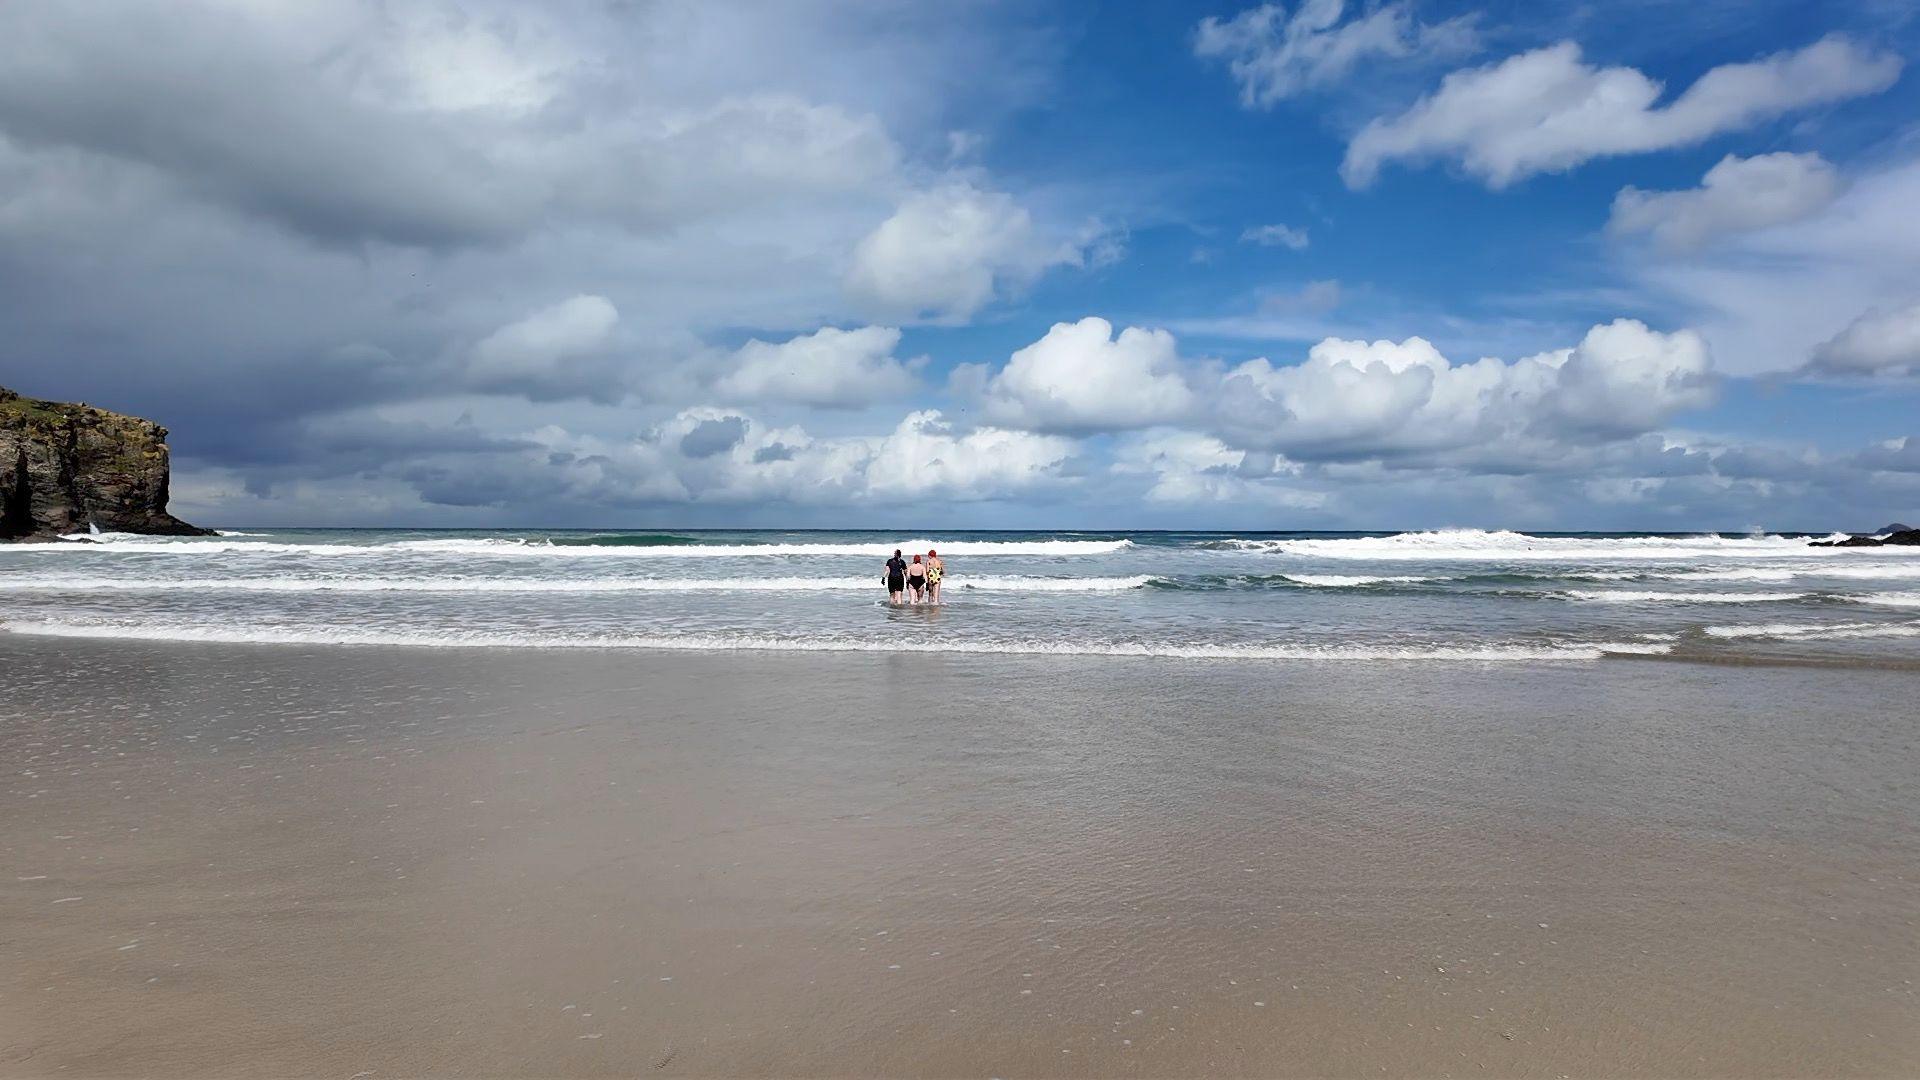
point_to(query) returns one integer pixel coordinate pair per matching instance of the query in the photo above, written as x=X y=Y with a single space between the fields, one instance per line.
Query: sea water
x=1452 y=595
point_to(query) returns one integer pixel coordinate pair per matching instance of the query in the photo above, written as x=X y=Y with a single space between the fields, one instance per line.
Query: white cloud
x=946 y=252
x=1276 y=236
x=1191 y=468
x=830 y=368
x=1884 y=341
x=925 y=458
x=1549 y=111
x=556 y=351
x=1737 y=195
x=1624 y=378
x=1766 y=300
x=1274 y=57
x=1079 y=377
x=716 y=456
x=1357 y=399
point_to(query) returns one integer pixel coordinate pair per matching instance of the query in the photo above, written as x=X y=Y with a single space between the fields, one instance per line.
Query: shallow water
x=245 y=860
x=1452 y=595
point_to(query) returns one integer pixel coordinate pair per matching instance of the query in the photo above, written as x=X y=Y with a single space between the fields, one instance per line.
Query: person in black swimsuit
x=917 y=579
x=896 y=579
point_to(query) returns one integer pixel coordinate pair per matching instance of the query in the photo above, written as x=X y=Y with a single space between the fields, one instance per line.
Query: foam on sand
x=708 y=642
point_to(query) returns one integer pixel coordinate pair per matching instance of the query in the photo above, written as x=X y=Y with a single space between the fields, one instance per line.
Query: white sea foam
x=1623 y=596
x=1349 y=581
x=1870 y=572
x=1502 y=546
x=989 y=583
x=162 y=631
x=1892 y=599
x=1746 y=574
x=118 y=543
x=1816 y=631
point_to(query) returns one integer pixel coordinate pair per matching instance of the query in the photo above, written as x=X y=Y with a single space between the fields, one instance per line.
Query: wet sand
x=377 y=862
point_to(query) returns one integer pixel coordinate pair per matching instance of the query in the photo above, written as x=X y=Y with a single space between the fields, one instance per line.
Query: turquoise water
x=1460 y=595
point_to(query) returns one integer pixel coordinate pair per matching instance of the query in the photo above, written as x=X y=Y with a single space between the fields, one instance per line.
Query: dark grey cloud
x=710 y=437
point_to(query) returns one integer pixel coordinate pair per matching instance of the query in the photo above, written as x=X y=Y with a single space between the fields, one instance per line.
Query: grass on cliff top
x=34 y=410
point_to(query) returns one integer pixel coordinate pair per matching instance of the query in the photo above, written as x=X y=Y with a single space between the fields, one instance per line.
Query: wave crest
x=1505 y=545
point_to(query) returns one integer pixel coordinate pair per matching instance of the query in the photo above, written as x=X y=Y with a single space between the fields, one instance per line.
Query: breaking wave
x=543 y=548
x=1623 y=596
x=988 y=583
x=1894 y=599
x=1353 y=581
x=1478 y=544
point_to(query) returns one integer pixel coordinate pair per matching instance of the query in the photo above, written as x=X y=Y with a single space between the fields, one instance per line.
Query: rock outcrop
x=66 y=467
x=1902 y=538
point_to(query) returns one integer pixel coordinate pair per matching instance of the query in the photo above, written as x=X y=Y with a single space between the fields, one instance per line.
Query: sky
x=812 y=263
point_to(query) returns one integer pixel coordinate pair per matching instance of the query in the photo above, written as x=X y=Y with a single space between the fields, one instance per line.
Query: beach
x=232 y=859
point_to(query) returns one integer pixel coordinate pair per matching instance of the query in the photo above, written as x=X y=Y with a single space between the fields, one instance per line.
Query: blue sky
x=1317 y=265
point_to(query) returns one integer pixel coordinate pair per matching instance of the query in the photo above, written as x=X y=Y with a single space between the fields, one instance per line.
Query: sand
x=378 y=862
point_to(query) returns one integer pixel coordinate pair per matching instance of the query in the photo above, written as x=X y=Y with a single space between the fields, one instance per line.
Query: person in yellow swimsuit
x=935 y=571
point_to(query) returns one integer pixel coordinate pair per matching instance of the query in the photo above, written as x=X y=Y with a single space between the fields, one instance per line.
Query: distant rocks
x=1896 y=536
x=66 y=467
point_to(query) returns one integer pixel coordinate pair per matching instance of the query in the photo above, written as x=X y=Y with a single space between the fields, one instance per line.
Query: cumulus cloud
x=1737 y=195
x=1080 y=377
x=1274 y=56
x=1624 y=378
x=926 y=457
x=829 y=368
x=532 y=210
x=1276 y=235
x=1549 y=110
x=1884 y=341
x=1357 y=399
x=1190 y=468
x=946 y=252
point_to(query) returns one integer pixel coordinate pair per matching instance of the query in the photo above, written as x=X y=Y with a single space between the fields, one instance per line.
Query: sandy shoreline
x=391 y=862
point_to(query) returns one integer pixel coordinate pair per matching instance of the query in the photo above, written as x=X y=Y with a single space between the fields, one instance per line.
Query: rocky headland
x=65 y=467
x=1891 y=536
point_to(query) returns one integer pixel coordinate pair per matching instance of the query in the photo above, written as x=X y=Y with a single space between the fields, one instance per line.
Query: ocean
x=1440 y=596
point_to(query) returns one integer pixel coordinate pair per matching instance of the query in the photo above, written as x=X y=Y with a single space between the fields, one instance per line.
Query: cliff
x=64 y=467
